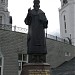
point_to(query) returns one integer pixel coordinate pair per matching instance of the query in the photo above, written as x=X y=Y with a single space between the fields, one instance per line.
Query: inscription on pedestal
x=39 y=72
x=36 y=69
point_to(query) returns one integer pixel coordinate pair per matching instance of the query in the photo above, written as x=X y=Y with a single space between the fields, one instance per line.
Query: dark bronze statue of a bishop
x=36 y=41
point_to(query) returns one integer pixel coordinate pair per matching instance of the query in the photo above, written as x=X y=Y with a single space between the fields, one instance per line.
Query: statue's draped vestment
x=37 y=22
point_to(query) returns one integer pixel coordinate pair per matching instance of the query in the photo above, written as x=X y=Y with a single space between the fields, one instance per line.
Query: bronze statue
x=36 y=41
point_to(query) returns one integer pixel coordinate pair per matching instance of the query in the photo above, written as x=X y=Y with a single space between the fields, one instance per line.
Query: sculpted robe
x=36 y=41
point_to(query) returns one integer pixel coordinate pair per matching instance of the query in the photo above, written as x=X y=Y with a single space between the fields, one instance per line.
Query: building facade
x=13 y=52
x=5 y=18
x=67 y=20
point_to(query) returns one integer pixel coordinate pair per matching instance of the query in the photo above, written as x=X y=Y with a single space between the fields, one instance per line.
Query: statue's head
x=36 y=5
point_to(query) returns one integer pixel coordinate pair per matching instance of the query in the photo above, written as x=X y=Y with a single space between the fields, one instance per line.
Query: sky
x=18 y=10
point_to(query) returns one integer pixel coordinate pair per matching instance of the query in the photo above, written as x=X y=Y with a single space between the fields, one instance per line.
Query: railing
x=57 y=38
x=24 y=30
x=19 y=29
x=6 y=27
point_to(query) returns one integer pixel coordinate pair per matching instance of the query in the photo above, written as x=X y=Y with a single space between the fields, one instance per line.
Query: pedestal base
x=36 y=69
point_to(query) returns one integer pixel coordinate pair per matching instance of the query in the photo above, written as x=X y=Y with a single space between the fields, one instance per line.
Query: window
x=19 y=56
x=65 y=27
x=2 y=1
x=65 y=2
x=67 y=54
x=65 y=31
x=0 y=61
x=70 y=36
x=64 y=18
x=1 y=65
x=22 y=59
x=65 y=24
x=0 y=19
x=0 y=70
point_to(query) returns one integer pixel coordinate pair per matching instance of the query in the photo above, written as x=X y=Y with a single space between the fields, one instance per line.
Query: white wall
x=68 y=11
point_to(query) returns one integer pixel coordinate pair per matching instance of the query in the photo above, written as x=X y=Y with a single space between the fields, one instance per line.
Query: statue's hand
x=29 y=10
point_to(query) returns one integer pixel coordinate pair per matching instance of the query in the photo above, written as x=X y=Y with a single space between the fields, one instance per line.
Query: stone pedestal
x=36 y=69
